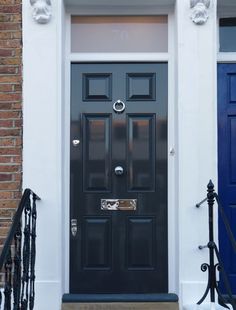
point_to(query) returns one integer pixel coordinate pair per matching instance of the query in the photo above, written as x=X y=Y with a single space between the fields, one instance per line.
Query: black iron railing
x=17 y=259
x=212 y=268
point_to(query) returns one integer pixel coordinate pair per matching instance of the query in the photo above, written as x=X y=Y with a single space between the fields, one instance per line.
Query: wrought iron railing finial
x=212 y=267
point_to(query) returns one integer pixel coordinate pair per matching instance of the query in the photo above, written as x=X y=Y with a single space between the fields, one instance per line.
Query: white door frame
x=172 y=128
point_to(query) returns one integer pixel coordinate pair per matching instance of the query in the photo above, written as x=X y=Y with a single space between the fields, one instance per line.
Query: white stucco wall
x=42 y=102
x=45 y=149
x=197 y=142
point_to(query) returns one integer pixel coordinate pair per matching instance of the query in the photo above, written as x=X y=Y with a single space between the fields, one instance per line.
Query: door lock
x=73 y=227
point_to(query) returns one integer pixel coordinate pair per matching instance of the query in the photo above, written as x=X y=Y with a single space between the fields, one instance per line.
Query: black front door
x=119 y=178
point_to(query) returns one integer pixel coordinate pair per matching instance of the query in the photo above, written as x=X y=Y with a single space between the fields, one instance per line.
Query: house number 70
x=123 y=34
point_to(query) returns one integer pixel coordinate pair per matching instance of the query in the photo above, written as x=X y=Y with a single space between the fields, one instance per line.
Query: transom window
x=119 y=34
x=228 y=34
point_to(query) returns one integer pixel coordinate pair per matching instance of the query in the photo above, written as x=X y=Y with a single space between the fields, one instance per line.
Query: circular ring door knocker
x=119 y=106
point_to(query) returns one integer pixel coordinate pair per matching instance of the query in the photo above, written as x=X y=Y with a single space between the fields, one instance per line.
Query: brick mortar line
x=9 y=147
x=10 y=164
x=9 y=199
x=9 y=155
x=12 y=191
x=10 y=172
x=9 y=110
x=10 y=92
x=9 y=128
x=9 y=119
x=4 y=102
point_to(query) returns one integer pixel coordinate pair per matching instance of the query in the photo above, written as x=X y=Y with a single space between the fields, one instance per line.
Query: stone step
x=122 y=306
x=205 y=306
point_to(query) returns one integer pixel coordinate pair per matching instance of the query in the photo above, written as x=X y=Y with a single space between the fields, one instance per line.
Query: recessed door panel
x=232 y=159
x=119 y=178
x=141 y=152
x=96 y=248
x=97 y=87
x=232 y=88
x=232 y=269
x=141 y=244
x=141 y=86
x=97 y=152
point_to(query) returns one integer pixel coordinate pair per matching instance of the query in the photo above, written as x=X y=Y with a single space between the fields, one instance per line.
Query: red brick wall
x=10 y=109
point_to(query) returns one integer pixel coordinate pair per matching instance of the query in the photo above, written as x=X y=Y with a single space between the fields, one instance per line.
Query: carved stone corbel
x=200 y=11
x=42 y=10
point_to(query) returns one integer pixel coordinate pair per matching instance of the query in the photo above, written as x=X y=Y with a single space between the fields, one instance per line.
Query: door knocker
x=119 y=106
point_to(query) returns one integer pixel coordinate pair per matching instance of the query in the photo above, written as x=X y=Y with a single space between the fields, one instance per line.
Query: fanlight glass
x=119 y=34
x=228 y=34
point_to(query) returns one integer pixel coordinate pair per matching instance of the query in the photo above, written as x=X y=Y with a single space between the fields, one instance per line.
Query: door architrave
x=173 y=257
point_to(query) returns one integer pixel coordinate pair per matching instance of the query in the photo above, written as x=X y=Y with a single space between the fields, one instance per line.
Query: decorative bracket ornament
x=200 y=11
x=42 y=10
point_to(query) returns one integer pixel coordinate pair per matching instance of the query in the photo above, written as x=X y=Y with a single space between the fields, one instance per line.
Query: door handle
x=73 y=227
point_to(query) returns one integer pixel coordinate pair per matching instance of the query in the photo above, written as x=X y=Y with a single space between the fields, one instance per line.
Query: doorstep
x=121 y=306
x=120 y=302
x=205 y=306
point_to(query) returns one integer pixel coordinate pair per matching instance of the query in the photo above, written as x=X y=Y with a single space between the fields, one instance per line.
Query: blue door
x=227 y=162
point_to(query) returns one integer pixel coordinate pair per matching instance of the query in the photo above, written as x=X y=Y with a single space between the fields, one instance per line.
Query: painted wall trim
x=126 y=57
x=226 y=57
x=42 y=138
x=197 y=142
x=172 y=132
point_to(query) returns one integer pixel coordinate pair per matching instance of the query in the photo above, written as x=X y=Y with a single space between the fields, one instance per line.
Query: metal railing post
x=212 y=285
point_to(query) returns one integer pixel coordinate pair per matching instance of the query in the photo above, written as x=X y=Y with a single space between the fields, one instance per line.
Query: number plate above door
x=119 y=204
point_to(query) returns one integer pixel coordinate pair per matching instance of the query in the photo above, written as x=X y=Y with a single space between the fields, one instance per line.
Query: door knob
x=119 y=170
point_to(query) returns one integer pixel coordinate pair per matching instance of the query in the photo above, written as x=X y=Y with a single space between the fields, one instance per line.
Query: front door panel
x=227 y=164
x=119 y=114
